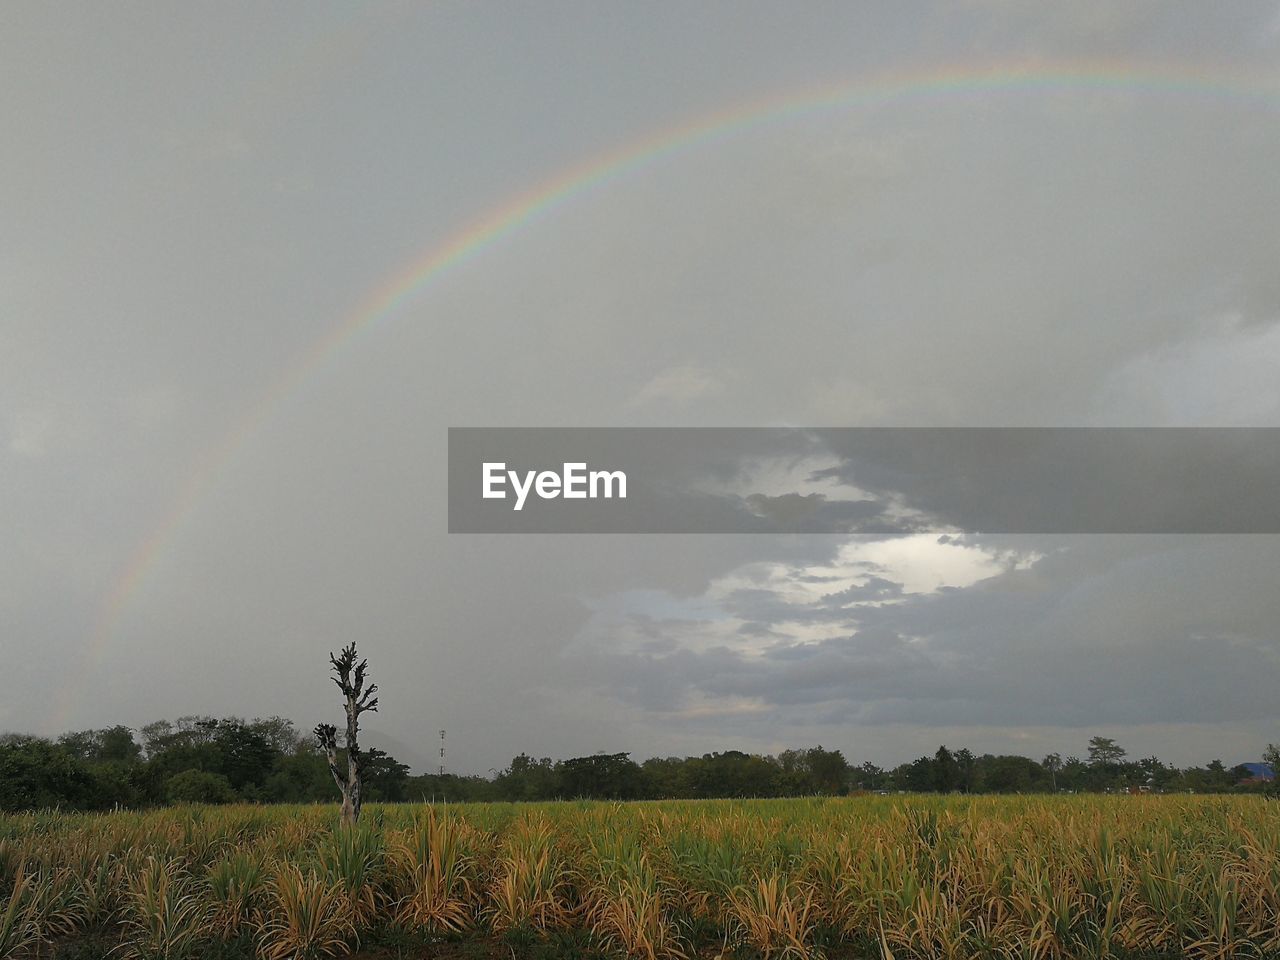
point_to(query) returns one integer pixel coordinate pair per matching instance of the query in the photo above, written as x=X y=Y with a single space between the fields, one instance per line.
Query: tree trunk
x=355 y=762
x=349 y=676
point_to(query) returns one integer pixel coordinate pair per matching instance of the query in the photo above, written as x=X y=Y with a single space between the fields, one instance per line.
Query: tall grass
x=907 y=877
x=166 y=918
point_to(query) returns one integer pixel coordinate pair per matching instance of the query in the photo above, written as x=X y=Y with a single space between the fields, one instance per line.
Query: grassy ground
x=842 y=878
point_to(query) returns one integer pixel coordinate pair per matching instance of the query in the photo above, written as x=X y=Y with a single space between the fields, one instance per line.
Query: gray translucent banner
x=864 y=480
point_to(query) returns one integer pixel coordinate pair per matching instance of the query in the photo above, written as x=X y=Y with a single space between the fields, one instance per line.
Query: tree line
x=200 y=759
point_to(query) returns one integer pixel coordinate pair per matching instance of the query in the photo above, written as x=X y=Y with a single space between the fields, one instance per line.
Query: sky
x=256 y=259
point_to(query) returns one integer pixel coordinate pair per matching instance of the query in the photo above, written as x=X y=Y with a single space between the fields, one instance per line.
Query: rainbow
x=1210 y=82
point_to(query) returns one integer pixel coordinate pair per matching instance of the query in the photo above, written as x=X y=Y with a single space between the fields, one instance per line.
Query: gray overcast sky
x=194 y=195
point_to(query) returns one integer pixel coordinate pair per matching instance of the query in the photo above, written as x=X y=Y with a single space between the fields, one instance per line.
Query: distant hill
x=1260 y=771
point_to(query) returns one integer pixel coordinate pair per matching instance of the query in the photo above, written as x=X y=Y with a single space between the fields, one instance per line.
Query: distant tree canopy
x=114 y=744
x=36 y=774
x=612 y=776
x=1104 y=751
x=201 y=759
x=198 y=786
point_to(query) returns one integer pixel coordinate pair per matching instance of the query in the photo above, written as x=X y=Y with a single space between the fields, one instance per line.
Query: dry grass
x=907 y=877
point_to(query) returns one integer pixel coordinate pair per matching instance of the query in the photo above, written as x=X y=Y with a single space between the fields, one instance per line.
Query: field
x=854 y=877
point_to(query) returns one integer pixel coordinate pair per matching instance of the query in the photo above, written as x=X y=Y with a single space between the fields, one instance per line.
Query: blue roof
x=1261 y=771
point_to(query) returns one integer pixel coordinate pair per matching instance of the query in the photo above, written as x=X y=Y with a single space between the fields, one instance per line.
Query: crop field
x=877 y=877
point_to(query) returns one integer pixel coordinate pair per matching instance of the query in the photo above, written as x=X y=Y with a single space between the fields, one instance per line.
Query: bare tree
x=1052 y=763
x=350 y=677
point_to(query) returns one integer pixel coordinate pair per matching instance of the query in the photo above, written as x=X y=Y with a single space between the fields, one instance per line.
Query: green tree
x=917 y=776
x=1104 y=751
x=431 y=787
x=667 y=777
x=603 y=776
x=111 y=745
x=299 y=778
x=281 y=734
x=1271 y=757
x=870 y=777
x=1221 y=777
x=528 y=779
x=154 y=735
x=1008 y=774
x=965 y=763
x=245 y=755
x=199 y=786
x=829 y=769
x=385 y=778
x=1074 y=774
x=946 y=772
x=174 y=755
x=731 y=774
x=815 y=770
x=36 y=774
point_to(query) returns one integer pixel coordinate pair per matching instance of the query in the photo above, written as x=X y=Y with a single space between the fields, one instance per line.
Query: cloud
x=1071 y=634
x=29 y=434
x=1221 y=375
x=988 y=254
x=679 y=385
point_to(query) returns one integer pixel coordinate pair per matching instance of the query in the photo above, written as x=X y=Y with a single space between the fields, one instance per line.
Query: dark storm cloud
x=1174 y=631
x=193 y=203
x=874 y=588
x=1072 y=480
x=815 y=513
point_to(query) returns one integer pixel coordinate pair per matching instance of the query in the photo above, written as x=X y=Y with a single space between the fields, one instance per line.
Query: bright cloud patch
x=761 y=609
x=949 y=632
